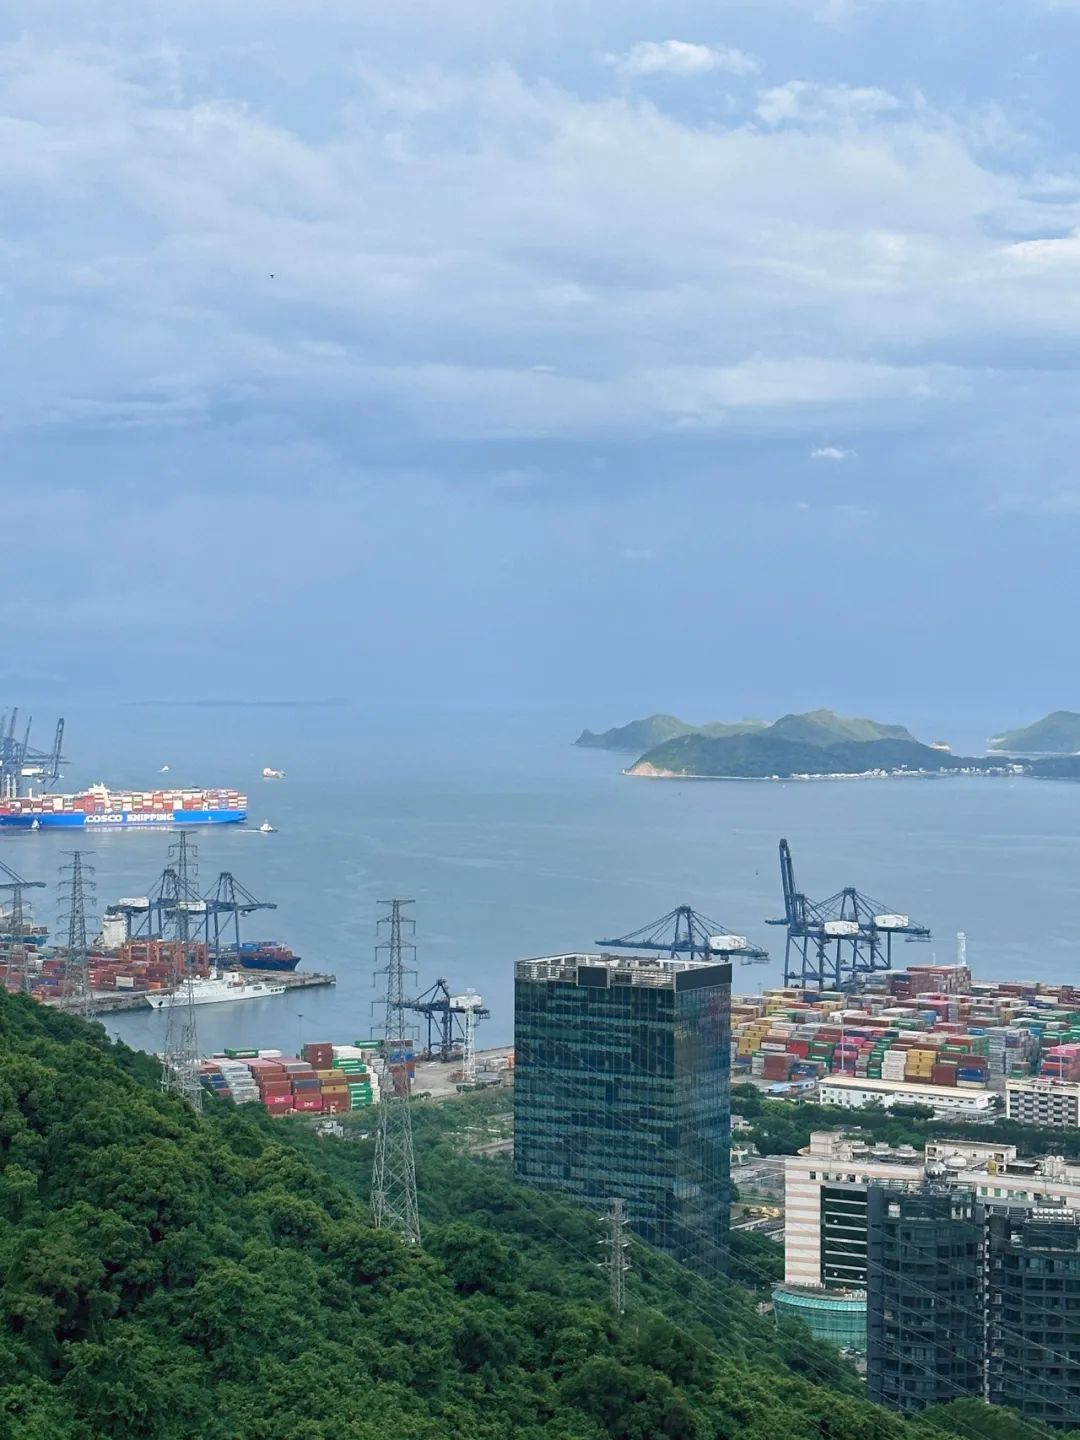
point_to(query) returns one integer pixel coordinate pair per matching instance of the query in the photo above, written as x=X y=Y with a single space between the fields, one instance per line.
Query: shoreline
x=650 y=772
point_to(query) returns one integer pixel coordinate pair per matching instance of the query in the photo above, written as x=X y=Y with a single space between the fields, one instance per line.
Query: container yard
x=324 y=1079
x=931 y=1025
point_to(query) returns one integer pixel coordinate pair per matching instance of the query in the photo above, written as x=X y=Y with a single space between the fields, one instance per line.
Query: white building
x=825 y=1218
x=857 y=1091
x=1043 y=1102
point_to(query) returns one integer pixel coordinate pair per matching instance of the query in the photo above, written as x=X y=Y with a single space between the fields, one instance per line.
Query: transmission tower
x=76 y=887
x=180 y=1055
x=393 y=1186
x=617 y=1262
x=18 y=937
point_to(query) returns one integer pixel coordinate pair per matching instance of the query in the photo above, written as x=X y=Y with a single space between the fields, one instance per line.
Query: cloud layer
x=316 y=276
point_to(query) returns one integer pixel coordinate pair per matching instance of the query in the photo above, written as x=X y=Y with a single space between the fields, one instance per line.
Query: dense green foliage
x=816 y=727
x=641 y=735
x=825 y=727
x=165 y=1276
x=1055 y=734
x=763 y=754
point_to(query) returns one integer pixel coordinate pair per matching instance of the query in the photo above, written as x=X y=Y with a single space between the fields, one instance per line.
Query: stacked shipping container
x=317 y=1082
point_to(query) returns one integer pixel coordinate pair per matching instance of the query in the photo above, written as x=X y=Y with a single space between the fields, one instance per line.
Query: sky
x=616 y=354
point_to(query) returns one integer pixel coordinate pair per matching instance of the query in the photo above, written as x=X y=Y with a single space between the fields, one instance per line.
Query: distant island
x=1055 y=734
x=816 y=745
x=641 y=735
x=765 y=756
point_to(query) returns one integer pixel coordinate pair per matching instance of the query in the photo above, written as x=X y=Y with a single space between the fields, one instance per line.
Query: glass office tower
x=621 y=1090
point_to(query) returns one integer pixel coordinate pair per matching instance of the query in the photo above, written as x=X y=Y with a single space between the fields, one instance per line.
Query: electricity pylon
x=393 y=1185
x=76 y=886
x=180 y=1055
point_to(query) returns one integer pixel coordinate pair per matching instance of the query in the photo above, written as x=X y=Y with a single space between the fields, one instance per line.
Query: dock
x=112 y=1002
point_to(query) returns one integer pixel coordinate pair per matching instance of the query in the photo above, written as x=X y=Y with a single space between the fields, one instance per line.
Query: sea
x=511 y=842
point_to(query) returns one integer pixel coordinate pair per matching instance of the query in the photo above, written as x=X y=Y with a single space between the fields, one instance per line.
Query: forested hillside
x=175 y=1277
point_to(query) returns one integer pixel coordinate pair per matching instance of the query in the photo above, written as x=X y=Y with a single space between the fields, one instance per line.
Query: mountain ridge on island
x=814 y=727
x=1055 y=734
x=640 y=735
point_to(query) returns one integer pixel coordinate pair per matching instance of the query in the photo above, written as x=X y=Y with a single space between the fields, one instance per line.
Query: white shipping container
x=891 y=922
x=718 y=944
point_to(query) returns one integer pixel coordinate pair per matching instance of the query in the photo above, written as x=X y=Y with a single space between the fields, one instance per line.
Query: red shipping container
x=308 y=1102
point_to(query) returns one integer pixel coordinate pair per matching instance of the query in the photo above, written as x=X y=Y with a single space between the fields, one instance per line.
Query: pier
x=113 y=1002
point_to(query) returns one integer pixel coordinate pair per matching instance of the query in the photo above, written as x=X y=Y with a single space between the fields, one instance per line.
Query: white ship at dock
x=219 y=988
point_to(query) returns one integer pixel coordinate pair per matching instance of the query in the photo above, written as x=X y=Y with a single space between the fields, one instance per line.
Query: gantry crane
x=683 y=931
x=447 y=1016
x=833 y=943
x=20 y=765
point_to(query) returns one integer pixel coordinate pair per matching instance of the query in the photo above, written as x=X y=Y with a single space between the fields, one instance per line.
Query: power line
x=393 y=1185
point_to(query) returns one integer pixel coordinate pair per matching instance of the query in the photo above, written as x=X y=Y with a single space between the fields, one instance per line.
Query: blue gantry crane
x=21 y=765
x=683 y=931
x=833 y=943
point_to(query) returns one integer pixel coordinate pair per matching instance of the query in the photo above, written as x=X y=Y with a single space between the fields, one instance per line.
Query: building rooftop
x=660 y=972
x=904 y=1087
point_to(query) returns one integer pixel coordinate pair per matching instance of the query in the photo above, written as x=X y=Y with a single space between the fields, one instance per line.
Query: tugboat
x=267 y=829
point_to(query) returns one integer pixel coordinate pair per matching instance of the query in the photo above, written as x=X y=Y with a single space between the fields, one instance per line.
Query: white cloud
x=441 y=227
x=804 y=103
x=637 y=557
x=831 y=452
x=681 y=57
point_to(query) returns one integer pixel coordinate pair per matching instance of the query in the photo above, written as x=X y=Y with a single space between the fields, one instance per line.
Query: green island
x=1055 y=734
x=166 y=1275
x=764 y=756
x=814 y=745
x=640 y=735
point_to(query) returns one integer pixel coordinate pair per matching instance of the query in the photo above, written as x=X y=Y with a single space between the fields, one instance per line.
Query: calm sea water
x=514 y=843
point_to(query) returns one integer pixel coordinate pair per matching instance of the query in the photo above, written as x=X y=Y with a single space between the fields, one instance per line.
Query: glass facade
x=924 y=1308
x=1033 y=1313
x=838 y=1320
x=621 y=1090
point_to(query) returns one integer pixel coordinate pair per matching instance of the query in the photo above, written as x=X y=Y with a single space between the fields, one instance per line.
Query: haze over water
x=514 y=843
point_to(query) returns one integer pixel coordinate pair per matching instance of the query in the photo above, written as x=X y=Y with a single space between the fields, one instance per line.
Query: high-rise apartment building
x=621 y=1090
x=970 y=1297
x=924 y=1342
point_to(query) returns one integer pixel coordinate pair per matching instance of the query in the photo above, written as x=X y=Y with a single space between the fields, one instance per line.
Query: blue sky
x=719 y=357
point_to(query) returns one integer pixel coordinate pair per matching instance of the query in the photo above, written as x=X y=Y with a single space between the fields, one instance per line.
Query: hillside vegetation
x=1055 y=734
x=816 y=727
x=165 y=1276
x=640 y=735
x=763 y=755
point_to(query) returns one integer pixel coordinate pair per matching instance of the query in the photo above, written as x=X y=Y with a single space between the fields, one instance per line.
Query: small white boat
x=164 y=770
x=269 y=773
x=267 y=829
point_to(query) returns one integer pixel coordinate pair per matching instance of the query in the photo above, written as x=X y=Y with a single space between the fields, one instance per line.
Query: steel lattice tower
x=76 y=886
x=17 y=922
x=617 y=1262
x=393 y=1185
x=180 y=1054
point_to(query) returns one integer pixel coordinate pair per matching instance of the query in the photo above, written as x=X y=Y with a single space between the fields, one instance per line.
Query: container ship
x=101 y=808
x=259 y=955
